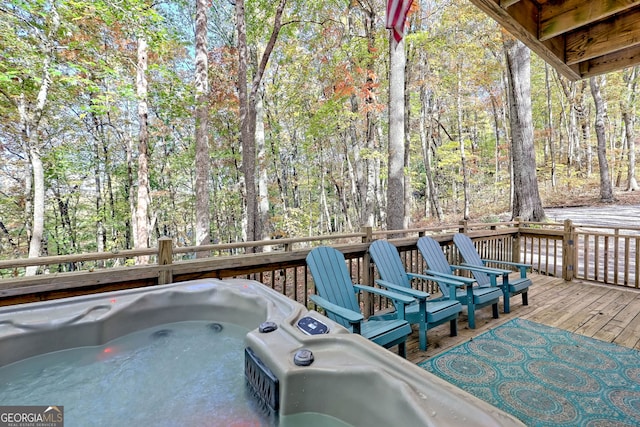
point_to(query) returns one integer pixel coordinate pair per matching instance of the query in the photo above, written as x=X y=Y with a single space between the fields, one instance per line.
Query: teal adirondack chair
x=337 y=296
x=427 y=313
x=475 y=296
x=485 y=275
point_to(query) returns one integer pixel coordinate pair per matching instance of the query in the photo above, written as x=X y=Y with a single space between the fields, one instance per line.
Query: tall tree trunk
x=395 y=183
x=247 y=138
x=408 y=188
x=356 y=166
x=141 y=235
x=629 y=118
x=99 y=142
x=426 y=137
x=203 y=165
x=368 y=197
x=550 y=133
x=496 y=130
x=130 y=225
x=247 y=125
x=526 y=202
x=247 y=94
x=30 y=113
x=37 y=230
x=263 y=189
x=463 y=156
x=577 y=117
x=606 y=190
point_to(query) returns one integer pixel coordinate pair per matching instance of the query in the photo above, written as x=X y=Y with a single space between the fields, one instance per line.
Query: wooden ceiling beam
x=507 y=3
x=561 y=16
x=611 y=62
x=606 y=37
x=580 y=38
x=522 y=23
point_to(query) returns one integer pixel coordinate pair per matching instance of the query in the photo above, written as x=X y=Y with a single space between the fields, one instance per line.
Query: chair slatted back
x=388 y=262
x=332 y=280
x=471 y=256
x=435 y=258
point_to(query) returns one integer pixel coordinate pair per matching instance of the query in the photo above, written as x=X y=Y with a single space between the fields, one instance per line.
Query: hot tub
x=337 y=374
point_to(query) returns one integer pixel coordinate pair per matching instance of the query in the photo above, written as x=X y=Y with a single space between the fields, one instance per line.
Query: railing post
x=165 y=257
x=568 y=251
x=515 y=248
x=464 y=224
x=367 y=272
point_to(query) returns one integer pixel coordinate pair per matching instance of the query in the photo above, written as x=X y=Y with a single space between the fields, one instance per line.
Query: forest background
x=101 y=105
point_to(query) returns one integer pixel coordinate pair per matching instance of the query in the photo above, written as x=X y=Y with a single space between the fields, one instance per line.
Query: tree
x=395 y=183
x=526 y=202
x=247 y=93
x=141 y=215
x=606 y=190
x=627 y=105
x=29 y=94
x=202 y=161
x=461 y=142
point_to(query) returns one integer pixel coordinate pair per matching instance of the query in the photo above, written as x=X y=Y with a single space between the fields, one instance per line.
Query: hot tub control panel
x=311 y=326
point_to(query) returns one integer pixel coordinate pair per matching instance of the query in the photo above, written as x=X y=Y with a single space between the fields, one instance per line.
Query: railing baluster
x=626 y=265
x=637 y=263
x=616 y=251
x=585 y=256
x=606 y=259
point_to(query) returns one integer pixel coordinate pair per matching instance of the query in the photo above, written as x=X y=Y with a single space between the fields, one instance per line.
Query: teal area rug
x=545 y=376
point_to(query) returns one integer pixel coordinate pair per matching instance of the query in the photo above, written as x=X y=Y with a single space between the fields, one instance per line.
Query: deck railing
x=602 y=254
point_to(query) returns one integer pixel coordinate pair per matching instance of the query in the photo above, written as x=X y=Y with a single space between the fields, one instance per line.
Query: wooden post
x=367 y=273
x=515 y=248
x=165 y=257
x=464 y=224
x=568 y=251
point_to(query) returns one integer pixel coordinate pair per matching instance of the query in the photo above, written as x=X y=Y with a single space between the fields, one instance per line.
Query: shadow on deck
x=603 y=312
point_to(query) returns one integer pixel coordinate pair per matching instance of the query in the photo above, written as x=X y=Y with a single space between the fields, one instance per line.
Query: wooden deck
x=603 y=312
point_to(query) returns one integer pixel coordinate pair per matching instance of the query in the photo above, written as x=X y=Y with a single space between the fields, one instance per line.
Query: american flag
x=396 y=16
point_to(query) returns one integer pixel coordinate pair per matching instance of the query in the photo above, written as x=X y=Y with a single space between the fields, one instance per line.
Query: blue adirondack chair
x=426 y=313
x=337 y=296
x=485 y=275
x=475 y=296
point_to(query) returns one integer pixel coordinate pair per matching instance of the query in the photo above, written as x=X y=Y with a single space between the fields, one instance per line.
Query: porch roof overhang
x=580 y=38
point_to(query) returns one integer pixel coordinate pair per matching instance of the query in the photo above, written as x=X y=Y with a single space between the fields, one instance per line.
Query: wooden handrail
x=562 y=249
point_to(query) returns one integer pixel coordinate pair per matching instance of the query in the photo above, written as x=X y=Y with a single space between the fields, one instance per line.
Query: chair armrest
x=458 y=279
x=443 y=282
x=522 y=267
x=488 y=270
x=349 y=315
x=395 y=296
x=447 y=279
x=415 y=293
x=400 y=301
x=493 y=273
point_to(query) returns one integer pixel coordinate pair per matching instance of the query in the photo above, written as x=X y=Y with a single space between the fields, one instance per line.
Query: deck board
x=608 y=313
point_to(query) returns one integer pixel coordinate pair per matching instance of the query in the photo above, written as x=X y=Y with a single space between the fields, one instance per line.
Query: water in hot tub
x=178 y=374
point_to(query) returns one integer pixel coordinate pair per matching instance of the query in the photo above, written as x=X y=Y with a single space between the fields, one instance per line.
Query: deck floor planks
x=621 y=320
x=604 y=312
x=630 y=335
x=559 y=307
x=583 y=309
x=592 y=313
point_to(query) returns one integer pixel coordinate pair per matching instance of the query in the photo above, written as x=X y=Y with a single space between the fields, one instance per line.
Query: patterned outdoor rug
x=546 y=376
